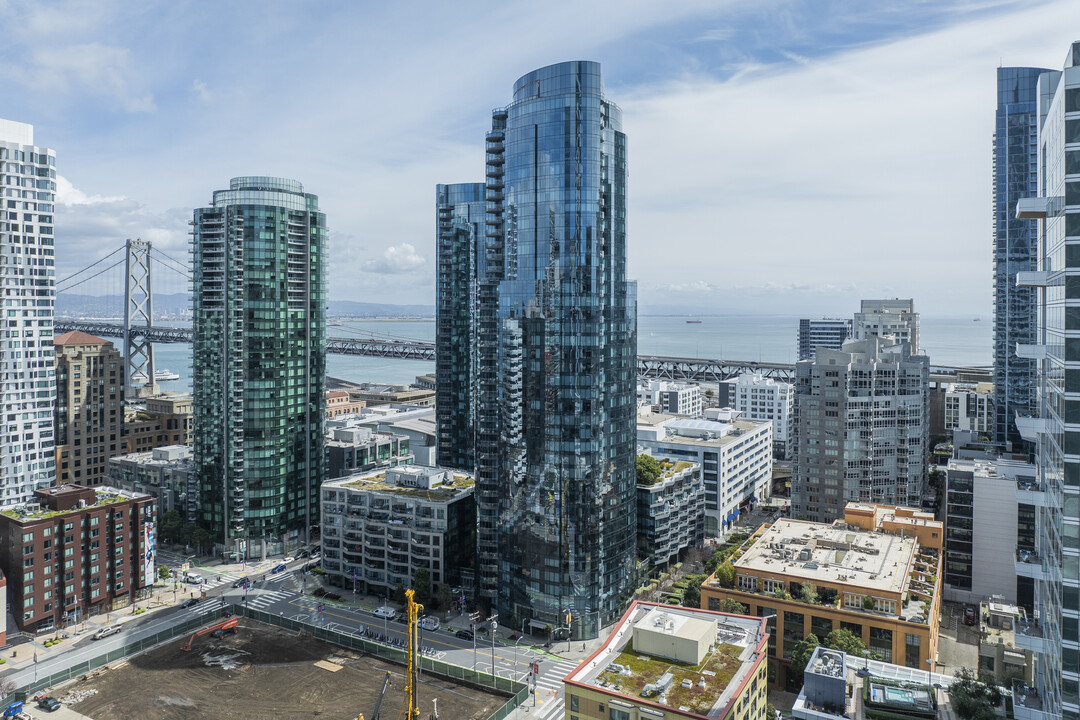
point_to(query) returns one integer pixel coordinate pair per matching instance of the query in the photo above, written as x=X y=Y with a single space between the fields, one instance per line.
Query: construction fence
x=518 y=692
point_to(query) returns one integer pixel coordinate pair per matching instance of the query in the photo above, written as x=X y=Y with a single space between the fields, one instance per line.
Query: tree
x=845 y=641
x=202 y=539
x=444 y=599
x=770 y=711
x=422 y=586
x=971 y=699
x=692 y=594
x=800 y=655
x=648 y=470
x=399 y=595
x=733 y=606
x=170 y=525
x=163 y=572
x=725 y=574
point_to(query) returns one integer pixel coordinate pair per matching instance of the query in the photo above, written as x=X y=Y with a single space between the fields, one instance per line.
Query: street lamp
x=494 y=627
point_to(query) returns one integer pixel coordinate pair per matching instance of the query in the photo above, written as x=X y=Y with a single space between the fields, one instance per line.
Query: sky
x=785 y=156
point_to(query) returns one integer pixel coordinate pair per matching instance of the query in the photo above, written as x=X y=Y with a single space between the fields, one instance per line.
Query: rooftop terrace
x=816 y=552
x=628 y=665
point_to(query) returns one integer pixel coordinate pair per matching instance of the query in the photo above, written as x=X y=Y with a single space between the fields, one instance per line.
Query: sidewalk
x=22 y=656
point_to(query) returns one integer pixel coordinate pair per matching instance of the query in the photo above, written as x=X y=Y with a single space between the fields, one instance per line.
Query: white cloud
x=396 y=259
x=68 y=194
x=198 y=87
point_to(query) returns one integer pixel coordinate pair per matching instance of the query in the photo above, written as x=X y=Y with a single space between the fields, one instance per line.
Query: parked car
x=190 y=602
x=384 y=612
x=279 y=568
x=222 y=632
x=106 y=632
x=464 y=634
x=969 y=615
x=49 y=703
x=429 y=622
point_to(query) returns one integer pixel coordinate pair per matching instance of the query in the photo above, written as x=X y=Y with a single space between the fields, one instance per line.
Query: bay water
x=962 y=341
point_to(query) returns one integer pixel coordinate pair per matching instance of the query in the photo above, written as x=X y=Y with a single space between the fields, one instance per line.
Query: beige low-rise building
x=876 y=573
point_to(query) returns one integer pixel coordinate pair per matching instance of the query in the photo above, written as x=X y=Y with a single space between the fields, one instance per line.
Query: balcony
x=1030 y=493
x=1029 y=565
x=1027 y=705
x=1029 y=636
x=1031 y=352
x=1035 y=208
x=1030 y=427
x=1031 y=278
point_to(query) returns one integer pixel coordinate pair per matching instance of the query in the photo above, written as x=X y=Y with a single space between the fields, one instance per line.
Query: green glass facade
x=259 y=360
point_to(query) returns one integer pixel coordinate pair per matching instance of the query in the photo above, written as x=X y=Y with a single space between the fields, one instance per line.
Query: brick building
x=75 y=552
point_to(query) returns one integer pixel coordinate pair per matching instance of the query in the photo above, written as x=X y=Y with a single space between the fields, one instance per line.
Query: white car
x=385 y=612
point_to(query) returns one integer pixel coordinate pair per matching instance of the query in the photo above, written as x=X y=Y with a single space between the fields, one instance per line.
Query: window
x=911 y=650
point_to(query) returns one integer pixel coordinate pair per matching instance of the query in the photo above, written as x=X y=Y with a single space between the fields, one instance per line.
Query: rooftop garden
x=717 y=670
x=651 y=471
x=23 y=515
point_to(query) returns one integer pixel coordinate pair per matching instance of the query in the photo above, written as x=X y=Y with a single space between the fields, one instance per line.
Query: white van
x=106 y=632
x=193 y=578
x=429 y=622
x=385 y=612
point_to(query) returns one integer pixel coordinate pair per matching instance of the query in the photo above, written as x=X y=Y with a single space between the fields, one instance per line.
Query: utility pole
x=494 y=627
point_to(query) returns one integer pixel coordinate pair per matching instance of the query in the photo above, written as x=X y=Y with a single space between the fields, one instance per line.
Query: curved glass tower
x=556 y=346
x=259 y=361
x=1015 y=249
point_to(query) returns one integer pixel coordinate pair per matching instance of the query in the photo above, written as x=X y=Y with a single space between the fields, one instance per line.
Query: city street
x=281 y=594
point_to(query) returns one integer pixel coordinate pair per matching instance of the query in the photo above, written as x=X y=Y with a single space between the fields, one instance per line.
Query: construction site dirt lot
x=265 y=672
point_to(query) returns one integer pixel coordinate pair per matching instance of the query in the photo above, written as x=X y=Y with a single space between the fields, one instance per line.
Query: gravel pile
x=75 y=696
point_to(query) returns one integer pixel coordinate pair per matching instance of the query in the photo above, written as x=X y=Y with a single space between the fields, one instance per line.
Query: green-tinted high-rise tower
x=260 y=361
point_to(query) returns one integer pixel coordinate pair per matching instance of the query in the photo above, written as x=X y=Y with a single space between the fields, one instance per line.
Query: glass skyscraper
x=556 y=344
x=460 y=210
x=1054 y=565
x=259 y=361
x=1015 y=177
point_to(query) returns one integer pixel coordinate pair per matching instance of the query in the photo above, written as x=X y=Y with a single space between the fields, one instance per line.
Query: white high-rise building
x=889 y=319
x=27 y=279
x=861 y=429
x=760 y=398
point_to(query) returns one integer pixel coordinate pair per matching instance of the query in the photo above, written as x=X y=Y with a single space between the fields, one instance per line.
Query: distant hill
x=348 y=308
x=177 y=305
x=70 y=305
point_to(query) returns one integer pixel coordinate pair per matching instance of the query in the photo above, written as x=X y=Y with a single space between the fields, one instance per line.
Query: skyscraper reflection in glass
x=1015 y=249
x=556 y=345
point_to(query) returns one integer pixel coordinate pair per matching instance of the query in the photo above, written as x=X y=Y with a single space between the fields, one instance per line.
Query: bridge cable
x=176 y=262
x=69 y=288
x=80 y=272
x=181 y=270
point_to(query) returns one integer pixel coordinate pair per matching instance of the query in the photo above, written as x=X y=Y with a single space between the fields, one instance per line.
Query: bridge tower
x=138 y=309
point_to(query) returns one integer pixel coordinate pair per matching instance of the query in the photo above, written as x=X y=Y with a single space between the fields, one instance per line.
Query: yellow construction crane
x=410 y=709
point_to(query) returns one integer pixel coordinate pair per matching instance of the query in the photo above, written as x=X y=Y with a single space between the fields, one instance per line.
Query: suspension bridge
x=139 y=330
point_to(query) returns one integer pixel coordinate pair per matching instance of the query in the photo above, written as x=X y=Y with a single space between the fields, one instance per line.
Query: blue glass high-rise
x=1015 y=249
x=460 y=211
x=556 y=347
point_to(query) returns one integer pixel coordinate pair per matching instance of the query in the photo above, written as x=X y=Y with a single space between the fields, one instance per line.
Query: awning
x=731 y=517
x=753 y=498
x=737 y=512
